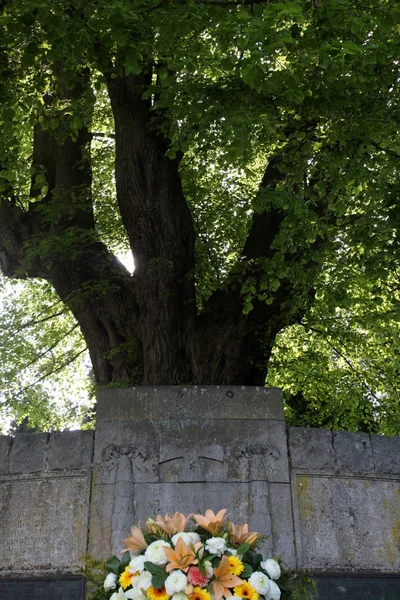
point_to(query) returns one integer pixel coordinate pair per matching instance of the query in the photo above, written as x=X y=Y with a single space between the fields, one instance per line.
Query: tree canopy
x=246 y=153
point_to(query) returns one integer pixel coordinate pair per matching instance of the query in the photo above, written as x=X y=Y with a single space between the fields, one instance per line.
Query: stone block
x=28 y=453
x=353 y=452
x=311 y=449
x=43 y=522
x=5 y=446
x=172 y=402
x=192 y=450
x=347 y=523
x=282 y=531
x=70 y=450
x=101 y=518
x=386 y=454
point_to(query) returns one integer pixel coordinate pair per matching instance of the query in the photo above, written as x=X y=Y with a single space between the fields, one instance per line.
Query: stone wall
x=346 y=500
x=327 y=501
x=45 y=482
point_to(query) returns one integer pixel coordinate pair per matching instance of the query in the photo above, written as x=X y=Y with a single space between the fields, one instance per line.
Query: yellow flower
x=235 y=565
x=157 y=593
x=246 y=591
x=126 y=577
x=200 y=594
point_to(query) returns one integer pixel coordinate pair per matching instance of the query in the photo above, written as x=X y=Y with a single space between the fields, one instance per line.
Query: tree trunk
x=140 y=329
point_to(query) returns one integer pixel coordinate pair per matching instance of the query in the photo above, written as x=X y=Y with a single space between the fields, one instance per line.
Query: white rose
x=274 y=593
x=110 y=581
x=137 y=564
x=216 y=545
x=272 y=567
x=194 y=537
x=155 y=553
x=259 y=582
x=184 y=535
x=175 y=582
x=142 y=581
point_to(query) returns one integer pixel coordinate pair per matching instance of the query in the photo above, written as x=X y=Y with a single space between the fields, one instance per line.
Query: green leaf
x=243 y=548
x=113 y=564
x=248 y=570
x=158 y=580
x=154 y=569
x=351 y=48
x=126 y=559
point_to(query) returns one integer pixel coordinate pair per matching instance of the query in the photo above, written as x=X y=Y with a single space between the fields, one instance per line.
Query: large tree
x=254 y=145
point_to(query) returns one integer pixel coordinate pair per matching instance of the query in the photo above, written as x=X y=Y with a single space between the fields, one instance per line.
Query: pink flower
x=196 y=577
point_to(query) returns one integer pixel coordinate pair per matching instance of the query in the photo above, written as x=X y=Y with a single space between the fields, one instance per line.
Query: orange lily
x=240 y=534
x=135 y=541
x=182 y=557
x=224 y=580
x=210 y=521
x=173 y=524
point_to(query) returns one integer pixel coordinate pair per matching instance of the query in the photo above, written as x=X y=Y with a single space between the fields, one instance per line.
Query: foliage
x=94 y=572
x=237 y=88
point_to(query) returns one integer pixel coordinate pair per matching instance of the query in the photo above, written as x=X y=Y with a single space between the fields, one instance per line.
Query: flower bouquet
x=212 y=560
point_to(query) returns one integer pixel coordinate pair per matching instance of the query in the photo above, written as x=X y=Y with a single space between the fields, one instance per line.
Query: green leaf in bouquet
x=214 y=561
x=253 y=558
x=203 y=569
x=158 y=580
x=243 y=548
x=113 y=564
x=248 y=570
x=126 y=559
x=155 y=569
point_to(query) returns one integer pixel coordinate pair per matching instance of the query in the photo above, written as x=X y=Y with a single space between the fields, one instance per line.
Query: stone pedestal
x=174 y=448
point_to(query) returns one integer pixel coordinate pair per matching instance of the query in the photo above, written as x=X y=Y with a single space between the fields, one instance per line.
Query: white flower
x=142 y=581
x=274 y=593
x=233 y=551
x=179 y=596
x=135 y=594
x=184 y=535
x=137 y=564
x=272 y=567
x=209 y=572
x=121 y=595
x=194 y=537
x=175 y=582
x=110 y=581
x=155 y=553
x=259 y=582
x=216 y=545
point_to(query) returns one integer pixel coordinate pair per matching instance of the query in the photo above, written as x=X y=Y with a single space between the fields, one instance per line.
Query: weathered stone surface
x=386 y=454
x=282 y=531
x=28 y=453
x=345 y=523
x=5 y=446
x=70 y=450
x=172 y=402
x=311 y=449
x=194 y=450
x=353 y=452
x=43 y=522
